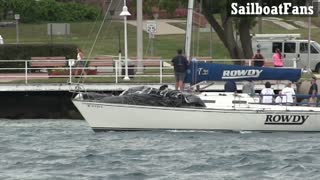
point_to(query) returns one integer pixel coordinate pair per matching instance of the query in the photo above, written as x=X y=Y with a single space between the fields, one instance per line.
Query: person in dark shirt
x=180 y=64
x=230 y=86
x=313 y=92
x=258 y=59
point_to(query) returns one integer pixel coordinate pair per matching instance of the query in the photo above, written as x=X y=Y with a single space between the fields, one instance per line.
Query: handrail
x=165 y=70
x=26 y=71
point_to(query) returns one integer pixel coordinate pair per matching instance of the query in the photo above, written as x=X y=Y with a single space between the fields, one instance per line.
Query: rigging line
x=95 y=41
x=91 y=32
x=99 y=31
x=114 y=35
x=86 y=40
x=111 y=19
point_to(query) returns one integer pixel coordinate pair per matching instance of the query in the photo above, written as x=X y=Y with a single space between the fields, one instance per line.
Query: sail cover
x=202 y=71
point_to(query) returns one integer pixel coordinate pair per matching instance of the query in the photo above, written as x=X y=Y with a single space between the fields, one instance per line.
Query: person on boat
x=313 y=92
x=258 y=59
x=288 y=94
x=278 y=99
x=267 y=94
x=230 y=86
x=277 y=58
x=248 y=88
x=80 y=63
x=180 y=64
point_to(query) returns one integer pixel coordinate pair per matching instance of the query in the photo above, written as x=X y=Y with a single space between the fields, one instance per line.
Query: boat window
x=289 y=47
x=239 y=102
x=276 y=45
x=304 y=48
x=209 y=101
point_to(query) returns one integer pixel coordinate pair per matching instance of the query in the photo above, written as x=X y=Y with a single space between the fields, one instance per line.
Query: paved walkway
x=284 y=23
x=303 y=24
x=280 y=22
x=8 y=77
x=163 y=26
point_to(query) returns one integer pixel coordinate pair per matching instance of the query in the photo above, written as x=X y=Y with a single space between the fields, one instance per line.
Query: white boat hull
x=105 y=116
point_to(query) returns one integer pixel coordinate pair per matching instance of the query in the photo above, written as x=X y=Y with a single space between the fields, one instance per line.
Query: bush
x=26 y=51
x=49 y=10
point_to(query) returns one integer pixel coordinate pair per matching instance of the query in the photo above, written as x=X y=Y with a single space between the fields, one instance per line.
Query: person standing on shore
x=258 y=59
x=313 y=92
x=80 y=63
x=180 y=64
x=1 y=40
x=277 y=59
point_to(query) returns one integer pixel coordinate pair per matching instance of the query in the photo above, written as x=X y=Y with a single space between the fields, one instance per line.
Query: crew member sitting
x=230 y=86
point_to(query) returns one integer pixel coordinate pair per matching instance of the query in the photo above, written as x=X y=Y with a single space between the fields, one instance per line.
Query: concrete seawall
x=48 y=101
x=35 y=105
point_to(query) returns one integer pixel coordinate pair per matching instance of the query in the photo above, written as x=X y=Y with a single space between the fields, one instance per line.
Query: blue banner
x=201 y=71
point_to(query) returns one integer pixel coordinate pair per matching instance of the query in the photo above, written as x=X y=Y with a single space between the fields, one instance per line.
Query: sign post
x=17 y=17
x=151 y=29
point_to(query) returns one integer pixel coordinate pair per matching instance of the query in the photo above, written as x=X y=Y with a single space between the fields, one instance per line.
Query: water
x=68 y=149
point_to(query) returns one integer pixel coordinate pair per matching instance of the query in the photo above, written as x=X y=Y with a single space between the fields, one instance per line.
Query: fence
x=153 y=71
x=18 y=70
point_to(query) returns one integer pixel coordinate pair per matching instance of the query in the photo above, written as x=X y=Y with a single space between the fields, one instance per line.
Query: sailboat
x=161 y=109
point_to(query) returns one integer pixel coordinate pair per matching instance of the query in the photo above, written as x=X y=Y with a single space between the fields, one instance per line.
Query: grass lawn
x=83 y=34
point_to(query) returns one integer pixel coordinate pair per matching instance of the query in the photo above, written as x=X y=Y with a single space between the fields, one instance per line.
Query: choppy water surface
x=68 y=149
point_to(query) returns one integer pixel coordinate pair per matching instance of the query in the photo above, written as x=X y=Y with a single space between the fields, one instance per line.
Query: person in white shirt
x=1 y=40
x=288 y=93
x=267 y=94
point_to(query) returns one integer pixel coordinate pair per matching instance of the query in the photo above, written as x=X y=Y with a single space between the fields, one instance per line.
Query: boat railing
x=298 y=100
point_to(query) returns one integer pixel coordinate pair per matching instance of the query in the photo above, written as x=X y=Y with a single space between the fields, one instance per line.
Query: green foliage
x=4 y=4
x=26 y=51
x=170 y=6
x=50 y=10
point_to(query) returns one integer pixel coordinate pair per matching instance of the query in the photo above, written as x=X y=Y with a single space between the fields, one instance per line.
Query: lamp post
x=17 y=17
x=125 y=13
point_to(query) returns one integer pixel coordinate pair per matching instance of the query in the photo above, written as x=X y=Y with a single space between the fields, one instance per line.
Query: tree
x=228 y=27
x=48 y=10
x=4 y=8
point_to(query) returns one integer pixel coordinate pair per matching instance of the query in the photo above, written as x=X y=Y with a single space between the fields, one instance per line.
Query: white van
x=292 y=48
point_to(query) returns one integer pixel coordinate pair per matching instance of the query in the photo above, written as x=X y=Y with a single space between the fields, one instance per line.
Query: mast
x=189 y=29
